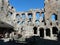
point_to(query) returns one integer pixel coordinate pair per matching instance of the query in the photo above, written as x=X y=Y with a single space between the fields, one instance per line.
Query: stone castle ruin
x=21 y=25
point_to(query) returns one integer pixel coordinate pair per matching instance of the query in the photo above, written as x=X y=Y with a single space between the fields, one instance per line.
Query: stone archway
x=41 y=30
x=47 y=32
x=35 y=30
x=55 y=30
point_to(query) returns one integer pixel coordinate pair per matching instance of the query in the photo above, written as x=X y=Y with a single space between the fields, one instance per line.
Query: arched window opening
x=48 y=32
x=55 y=30
x=17 y=16
x=18 y=22
x=9 y=13
x=37 y=15
x=37 y=22
x=35 y=30
x=54 y=17
x=41 y=30
x=23 y=16
x=1 y=8
x=30 y=16
x=22 y=22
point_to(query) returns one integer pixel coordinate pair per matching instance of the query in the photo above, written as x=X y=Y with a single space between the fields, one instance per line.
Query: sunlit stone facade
x=35 y=22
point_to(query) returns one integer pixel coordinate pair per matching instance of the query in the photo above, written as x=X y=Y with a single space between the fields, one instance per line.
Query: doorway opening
x=41 y=30
x=55 y=30
x=35 y=30
x=48 y=32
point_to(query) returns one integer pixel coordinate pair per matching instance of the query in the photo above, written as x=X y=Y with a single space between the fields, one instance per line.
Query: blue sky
x=24 y=5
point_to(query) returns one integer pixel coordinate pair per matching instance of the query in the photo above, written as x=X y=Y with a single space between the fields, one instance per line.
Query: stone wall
x=27 y=24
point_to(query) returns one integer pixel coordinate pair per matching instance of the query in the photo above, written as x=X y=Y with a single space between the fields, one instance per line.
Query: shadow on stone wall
x=58 y=36
x=35 y=40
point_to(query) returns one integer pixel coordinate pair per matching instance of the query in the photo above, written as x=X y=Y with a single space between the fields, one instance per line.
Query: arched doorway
x=35 y=30
x=41 y=30
x=47 y=32
x=55 y=30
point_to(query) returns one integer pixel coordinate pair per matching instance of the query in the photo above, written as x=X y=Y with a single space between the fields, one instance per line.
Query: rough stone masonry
x=21 y=25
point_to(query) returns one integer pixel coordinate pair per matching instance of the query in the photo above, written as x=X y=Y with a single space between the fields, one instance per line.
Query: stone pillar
x=38 y=31
x=26 y=15
x=26 y=18
x=0 y=5
x=51 y=33
x=59 y=16
x=14 y=16
x=34 y=17
x=44 y=33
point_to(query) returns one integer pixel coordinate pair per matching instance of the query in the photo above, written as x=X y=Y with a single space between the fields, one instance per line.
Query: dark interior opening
x=55 y=17
x=41 y=32
x=51 y=23
x=55 y=30
x=57 y=23
x=5 y=30
x=47 y=32
x=44 y=23
x=35 y=30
